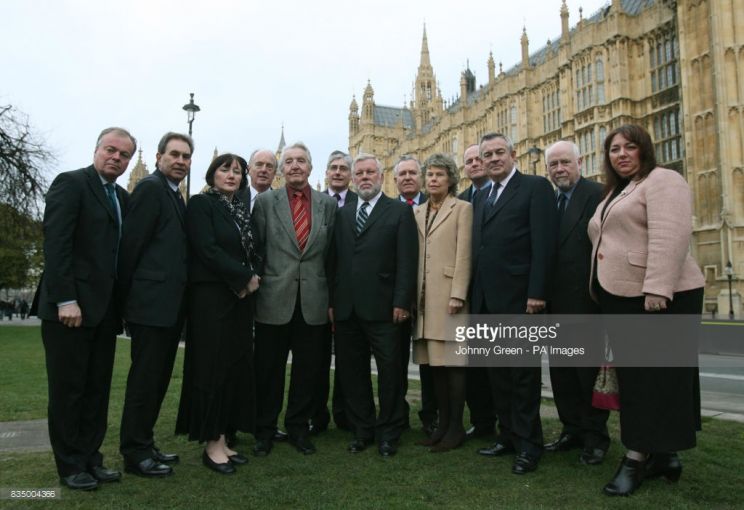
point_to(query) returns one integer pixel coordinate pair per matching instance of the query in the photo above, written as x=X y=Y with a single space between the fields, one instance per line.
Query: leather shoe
x=359 y=445
x=667 y=465
x=387 y=448
x=524 y=463
x=166 y=458
x=238 y=459
x=627 y=479
x=263 y=447
x=104 y=474
x=564 y=443
x=592 y=456
x=474 y=432
x=302 y=444
x=148 y=468
x=279 y=436
x=496 y=450
x=80 y=482
x=224 y=468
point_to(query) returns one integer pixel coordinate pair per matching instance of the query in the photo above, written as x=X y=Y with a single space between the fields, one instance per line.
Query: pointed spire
x=525 y=48
x=215 y=154
x=564 y=21
x=138 y=173
x=368 y=90
x=425 y=62
x=282 y=142
x=353 y=107
x=491 y=68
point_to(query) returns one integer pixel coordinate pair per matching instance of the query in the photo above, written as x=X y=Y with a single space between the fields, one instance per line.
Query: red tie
x=299 y=218
x=409 y=201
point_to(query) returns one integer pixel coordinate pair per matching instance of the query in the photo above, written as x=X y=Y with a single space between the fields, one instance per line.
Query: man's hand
x=535 y=305
x=400 y=315
x=455 y=305
x=70 y=315
x=330 y=315
x=254 y=283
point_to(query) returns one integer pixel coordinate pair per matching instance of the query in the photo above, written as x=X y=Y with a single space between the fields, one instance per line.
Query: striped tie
x=299 y=218
x=362 y=217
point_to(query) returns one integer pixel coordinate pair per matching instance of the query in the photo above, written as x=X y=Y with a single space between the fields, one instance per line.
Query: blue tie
x=111 y=193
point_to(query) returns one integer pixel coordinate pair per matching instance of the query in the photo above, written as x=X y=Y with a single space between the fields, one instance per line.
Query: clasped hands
x=252 y=287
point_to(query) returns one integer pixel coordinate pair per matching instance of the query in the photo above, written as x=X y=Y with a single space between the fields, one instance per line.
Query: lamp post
x=534 y=153
x=729 y=272
x=191 y=108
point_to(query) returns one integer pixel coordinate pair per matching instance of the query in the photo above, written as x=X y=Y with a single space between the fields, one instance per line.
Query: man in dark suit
x=584 y=426
x=376 y=252
x=513 y=247
x=261 y=169
x=152 y=273
x=77 y=303
x=478 y=388
x=338 y=177
x=294 y=226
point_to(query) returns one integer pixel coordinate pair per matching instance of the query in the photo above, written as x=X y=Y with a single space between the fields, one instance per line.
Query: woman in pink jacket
x=641 y=265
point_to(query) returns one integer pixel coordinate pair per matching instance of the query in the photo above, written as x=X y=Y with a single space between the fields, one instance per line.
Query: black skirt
x=659 y=406
x=218 y=392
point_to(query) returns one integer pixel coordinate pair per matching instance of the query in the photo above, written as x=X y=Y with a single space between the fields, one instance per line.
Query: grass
x=333 y=478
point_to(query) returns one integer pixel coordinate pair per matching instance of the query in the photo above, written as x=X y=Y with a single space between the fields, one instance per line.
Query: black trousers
x=321 y=416
x=272 y=346
x=153 y=352
x=79 y=363
x=479 y=398
x=516 y=397
x=356 y=340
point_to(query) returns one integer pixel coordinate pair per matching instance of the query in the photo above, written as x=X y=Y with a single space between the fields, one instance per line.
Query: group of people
x=358 y=274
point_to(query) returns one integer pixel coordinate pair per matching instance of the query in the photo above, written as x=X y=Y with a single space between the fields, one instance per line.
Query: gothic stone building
x=674 y=67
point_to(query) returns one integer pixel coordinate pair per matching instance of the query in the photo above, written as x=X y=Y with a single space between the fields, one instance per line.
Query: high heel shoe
x=666 y=465
x=449 y=442
x=225 y=468
x=627 y=479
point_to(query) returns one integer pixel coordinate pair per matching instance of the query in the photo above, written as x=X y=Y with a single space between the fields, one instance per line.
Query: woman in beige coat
x=444 y=227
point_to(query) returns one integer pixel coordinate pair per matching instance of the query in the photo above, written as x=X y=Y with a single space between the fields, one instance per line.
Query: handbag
x=606 y=393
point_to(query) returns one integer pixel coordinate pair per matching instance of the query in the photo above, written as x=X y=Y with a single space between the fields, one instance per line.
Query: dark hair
x=227 y=158
x=647 y=154
x=439 y=160
x=170 y=135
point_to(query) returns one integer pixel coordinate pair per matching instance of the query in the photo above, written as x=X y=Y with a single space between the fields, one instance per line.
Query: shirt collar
x=305 y=192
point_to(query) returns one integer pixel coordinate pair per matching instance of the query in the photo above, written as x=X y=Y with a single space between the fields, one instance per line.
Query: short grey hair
x=296 y=145
x=363 y=156
x=339 y=155
x=440 y=160
x=119 y=131
x=406 y=158
x=574 y=148
x=493 y=136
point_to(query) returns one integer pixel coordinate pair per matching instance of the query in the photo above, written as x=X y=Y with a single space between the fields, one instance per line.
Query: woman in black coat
x=217 y=394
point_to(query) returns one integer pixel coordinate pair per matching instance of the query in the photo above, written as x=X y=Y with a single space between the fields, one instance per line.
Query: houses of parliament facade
x=675 y=67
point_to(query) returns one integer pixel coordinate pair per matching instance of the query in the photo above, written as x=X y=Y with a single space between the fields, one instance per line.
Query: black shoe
x=667 y=465
x=165 y=458
x=592 y=456
x=387 y=448
x=475 y=431
x=225 y=468
x=524 y=463
x=263 y=447
x=302 y=444
x=565 y=443
x=279 y=436
x=149 y=468
x=359 y=445
x=627 y=479
x=80 y=482
x=103 y=474
x=496 y=450
x=238 y=459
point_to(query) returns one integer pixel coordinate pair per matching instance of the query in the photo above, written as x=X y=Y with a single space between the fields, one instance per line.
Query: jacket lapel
x=444 y=211
x=380 y=207
x=317 y=214
x=284 y=214
x=171 y=195
x=94 y=181
x=509 y=192
x=632 y=185
x=573 y=210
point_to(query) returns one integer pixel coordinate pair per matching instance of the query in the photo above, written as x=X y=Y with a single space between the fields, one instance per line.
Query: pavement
x=722 y=392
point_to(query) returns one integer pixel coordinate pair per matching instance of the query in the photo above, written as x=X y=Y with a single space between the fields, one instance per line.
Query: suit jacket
x=80 y=245
x=152 y=255
x=375 y=271
x=467 y=195
x=444 y=257
x=216 y=251
x=351 y=197
x=514 y=245
x=285 y=268
x=642 y=245
x=570 y=293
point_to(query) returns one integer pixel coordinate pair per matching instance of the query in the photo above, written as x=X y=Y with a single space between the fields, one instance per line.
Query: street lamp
x=729 y=272
x=191 y=108
x=534 y=153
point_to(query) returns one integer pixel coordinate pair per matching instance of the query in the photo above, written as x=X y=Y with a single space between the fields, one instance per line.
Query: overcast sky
x=77 y=66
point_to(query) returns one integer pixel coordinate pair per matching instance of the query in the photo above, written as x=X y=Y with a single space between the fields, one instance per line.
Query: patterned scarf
x=241 y=216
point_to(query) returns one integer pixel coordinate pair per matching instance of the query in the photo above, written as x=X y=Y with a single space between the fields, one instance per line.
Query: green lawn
x=333 y=478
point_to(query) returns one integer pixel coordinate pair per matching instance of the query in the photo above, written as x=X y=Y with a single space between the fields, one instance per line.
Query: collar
x=506 y=179
x=306 y=191
x=372 y=201
x=416 y=199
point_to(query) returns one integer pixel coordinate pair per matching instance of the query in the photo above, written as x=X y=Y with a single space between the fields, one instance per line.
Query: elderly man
x=77 y=304
x=152 y=273
x=584 y=426
x=476 y=172
x=261 y=169
x=513 y=247
x=376 y=252
x=294 y=228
